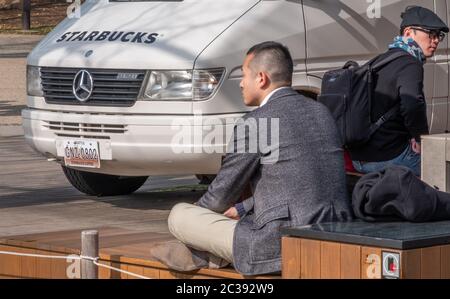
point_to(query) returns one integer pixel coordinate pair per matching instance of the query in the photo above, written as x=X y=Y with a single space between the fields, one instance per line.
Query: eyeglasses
x=432 y=34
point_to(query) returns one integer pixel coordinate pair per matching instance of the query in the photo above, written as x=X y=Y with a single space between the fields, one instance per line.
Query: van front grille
x=110 y=87
x=67 y=129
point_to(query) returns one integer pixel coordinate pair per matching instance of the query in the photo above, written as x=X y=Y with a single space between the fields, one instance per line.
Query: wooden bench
x=119 y=248
x=367 y=250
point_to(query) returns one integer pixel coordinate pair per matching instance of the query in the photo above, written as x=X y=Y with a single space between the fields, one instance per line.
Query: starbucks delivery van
x=123 y=90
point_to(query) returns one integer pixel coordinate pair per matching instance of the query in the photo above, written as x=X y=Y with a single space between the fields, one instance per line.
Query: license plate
x=81 y=153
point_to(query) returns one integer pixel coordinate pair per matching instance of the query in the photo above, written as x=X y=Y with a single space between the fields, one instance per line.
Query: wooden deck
x=120 y=248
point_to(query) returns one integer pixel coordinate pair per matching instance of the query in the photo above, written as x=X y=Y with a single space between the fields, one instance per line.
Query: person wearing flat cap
x=400 y=84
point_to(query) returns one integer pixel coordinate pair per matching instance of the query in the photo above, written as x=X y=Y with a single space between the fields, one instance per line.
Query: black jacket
x=396 y=194
x=398 y=83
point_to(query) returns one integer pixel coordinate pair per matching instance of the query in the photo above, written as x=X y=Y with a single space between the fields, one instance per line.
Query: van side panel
x=280 y=21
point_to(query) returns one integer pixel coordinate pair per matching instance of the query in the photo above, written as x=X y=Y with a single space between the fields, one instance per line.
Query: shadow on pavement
x=140 y=200
x=7 y=108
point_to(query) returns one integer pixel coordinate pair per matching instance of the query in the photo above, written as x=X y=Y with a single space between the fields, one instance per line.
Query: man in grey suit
x=297 y=179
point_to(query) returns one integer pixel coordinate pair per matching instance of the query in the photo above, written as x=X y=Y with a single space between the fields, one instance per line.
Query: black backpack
x=348 y=92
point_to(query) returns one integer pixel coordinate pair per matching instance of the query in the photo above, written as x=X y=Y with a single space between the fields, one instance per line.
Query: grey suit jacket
x=304 y=184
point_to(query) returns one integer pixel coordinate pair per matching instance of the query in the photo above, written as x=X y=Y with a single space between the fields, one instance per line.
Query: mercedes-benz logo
x=83 y=85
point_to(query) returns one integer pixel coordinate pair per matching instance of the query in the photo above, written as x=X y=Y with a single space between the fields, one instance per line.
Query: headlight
x=182 y=85
x=34 y=87
x=205 y=82
x=169 y=85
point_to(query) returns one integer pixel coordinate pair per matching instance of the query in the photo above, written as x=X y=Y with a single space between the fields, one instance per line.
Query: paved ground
x=13 y=51
x=17 y=45
x=35 y=197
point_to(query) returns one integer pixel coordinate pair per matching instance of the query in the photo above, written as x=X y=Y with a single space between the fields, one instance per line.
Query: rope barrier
x=75 y=257
x=41 y=255
x=88 y=258
x=120 y=270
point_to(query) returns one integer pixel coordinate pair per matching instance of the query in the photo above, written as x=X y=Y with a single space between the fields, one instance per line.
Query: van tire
x=98 y=184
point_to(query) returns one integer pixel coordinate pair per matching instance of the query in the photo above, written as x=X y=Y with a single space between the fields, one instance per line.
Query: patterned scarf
x=408 y=45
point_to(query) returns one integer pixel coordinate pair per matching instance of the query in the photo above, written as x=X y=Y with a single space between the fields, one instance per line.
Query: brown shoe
x=177 y=256
x=216 y=262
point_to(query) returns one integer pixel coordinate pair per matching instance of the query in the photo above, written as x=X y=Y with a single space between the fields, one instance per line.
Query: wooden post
x=89 y=248
x=26 y=14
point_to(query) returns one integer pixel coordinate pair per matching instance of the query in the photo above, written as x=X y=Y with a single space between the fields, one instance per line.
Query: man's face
x=427 y=42
x=249 y=83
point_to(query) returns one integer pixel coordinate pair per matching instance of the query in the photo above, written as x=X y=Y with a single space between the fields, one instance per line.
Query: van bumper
x=136 y=145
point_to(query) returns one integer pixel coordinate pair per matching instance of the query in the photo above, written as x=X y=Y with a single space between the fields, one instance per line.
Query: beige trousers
x=203 y=229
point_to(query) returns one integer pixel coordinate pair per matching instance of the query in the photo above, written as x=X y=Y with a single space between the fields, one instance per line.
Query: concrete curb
x=11 y=130
x=14 y=55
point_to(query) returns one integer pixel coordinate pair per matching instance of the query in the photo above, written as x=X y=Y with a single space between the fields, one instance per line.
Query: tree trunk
x=26 y=14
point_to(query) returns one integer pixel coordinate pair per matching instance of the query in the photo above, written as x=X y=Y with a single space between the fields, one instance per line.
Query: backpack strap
x=350 y=64
x=387 y=60
x=387 y=116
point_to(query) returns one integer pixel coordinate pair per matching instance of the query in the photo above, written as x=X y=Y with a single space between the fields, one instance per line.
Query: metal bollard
x=89 y=247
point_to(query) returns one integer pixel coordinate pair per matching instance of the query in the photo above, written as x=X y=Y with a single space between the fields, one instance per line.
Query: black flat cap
x=422 y=17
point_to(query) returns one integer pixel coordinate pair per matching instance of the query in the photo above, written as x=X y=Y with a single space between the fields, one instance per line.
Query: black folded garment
x=396 y=194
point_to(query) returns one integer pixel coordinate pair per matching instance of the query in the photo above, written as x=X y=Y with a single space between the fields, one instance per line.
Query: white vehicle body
x=136 y=137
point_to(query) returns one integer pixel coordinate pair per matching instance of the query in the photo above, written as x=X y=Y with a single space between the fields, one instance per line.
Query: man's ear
x=263 y=80
x=408 y=32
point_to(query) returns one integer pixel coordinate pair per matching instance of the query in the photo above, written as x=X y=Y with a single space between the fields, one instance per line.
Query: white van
x=110 y=92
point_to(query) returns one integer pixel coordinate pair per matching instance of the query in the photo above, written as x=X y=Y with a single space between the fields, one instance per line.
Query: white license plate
x=81 y=153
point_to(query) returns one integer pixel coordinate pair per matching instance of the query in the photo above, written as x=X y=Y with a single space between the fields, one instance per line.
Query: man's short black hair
x=275 y=59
